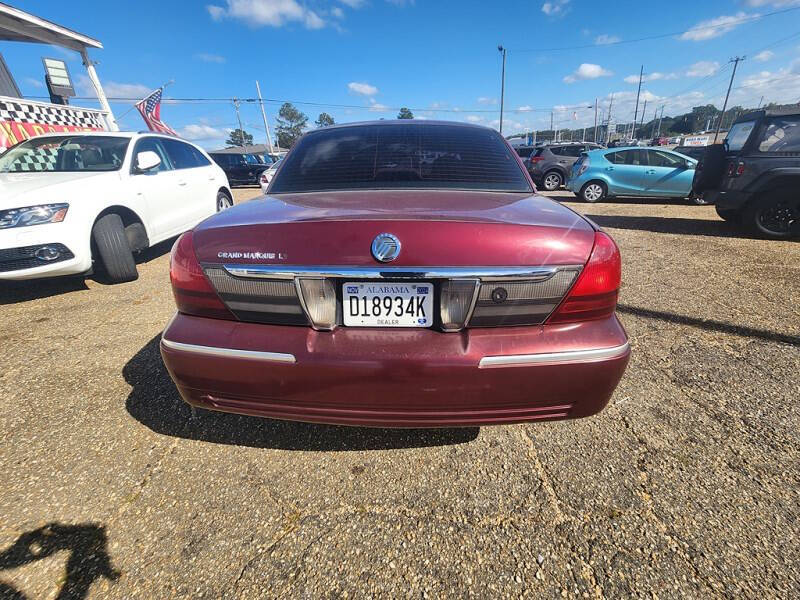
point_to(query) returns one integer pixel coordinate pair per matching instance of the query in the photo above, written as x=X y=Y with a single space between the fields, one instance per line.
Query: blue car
x=632 y=172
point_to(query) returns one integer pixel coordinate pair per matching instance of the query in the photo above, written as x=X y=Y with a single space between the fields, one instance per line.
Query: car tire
x=108 y=235
x=552 y=180
x=593 y=191
x=731 y=216
x=775 y=217
x=224 y=201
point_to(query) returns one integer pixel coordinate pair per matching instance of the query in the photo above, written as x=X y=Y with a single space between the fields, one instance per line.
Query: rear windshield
x=738 y=135
x=398 y=156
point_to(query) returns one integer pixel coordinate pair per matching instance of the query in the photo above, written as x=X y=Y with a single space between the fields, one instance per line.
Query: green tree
x=291 y=123
x=239 y=137
x=405 y=114
x=324 y=120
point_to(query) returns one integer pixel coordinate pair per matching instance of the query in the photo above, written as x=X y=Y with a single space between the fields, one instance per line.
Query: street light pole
x=502 y=85
x=595 y=121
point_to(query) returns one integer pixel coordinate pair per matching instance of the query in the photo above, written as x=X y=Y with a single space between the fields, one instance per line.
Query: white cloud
x=274 y=13
x=337 y=12
x=484 y=100
x=655 y=76
x=353 y=3
x=200 y=131
x=587 y=71
x=113 y=89
x=377 y=106
x=32 y=81
x=706 y=30
x=210 y=58
x=606 y=39
x=474 y=118
x=555 y=8
x=362 y=88
x=703 y=68
x=525 y=108
x=763 y=56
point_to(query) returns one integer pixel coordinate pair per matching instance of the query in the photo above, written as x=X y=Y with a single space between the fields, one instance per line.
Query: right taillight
x=594 y=295
x=536 y=159
x=193 y=293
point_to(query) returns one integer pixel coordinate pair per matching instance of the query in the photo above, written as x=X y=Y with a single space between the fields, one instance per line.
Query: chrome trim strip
x=484 y=273
x=230 y=352
x=553 y=357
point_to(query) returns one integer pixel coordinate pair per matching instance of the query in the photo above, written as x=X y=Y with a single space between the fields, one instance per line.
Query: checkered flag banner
x=23 y=119
x=150 y=109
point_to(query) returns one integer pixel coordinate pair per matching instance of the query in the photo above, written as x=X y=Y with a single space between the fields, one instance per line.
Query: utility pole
x=638 y=91
x=583 y=137
x=659 y=120
x=736 y=60
x=502 y=85
x=608 y=127
x=653 y=128
x=760 y=101
x=264 y=116
x=239 y=118
x=552 y=131
x=595 y=121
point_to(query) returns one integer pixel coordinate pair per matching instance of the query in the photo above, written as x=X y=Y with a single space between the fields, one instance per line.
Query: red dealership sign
x=13 y=132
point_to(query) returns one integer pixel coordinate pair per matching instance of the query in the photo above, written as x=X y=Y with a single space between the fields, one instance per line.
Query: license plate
x=388 y=304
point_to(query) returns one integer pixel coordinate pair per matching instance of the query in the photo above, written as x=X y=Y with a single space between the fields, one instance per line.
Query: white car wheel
x=223 y=201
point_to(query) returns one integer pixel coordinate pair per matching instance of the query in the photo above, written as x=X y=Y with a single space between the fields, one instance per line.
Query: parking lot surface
x=688 y=484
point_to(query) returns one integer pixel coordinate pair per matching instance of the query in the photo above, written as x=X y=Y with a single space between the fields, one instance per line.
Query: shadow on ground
x=711 y=325
x=88 y=557
x=154 y=401
x=14 y=292
x=670 y=225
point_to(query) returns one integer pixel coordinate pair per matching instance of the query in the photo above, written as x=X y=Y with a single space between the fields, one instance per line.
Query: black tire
x=552 y=180
x=732 y=216
x=224 y=201
x=774 y=216
x=589 y=191
x=108 y=235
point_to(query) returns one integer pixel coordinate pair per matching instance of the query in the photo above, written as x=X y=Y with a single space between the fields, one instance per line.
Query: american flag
x=150 y=108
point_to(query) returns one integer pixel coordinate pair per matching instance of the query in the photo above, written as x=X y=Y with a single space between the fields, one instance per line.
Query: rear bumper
x=728 y=200
x=397 y=378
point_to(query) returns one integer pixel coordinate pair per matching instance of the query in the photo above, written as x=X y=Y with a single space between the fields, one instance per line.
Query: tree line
x=291 y=123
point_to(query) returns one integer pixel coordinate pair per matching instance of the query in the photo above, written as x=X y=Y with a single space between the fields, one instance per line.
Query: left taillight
x=194 y=295
x=594 y=295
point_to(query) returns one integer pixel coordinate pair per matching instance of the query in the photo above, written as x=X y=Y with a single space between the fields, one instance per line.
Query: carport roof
x=19 y=26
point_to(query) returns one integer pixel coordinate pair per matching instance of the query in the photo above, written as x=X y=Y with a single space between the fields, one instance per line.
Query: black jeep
x=753 y=177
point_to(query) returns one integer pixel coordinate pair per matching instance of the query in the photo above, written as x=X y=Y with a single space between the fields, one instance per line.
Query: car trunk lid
x=447 y=228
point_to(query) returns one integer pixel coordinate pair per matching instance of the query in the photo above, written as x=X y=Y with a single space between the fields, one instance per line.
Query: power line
x=661 y=35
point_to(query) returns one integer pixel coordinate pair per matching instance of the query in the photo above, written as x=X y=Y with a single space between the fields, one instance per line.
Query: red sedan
x=400 y=274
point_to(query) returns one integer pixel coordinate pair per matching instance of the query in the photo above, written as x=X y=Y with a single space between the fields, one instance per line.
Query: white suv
x=70 y=200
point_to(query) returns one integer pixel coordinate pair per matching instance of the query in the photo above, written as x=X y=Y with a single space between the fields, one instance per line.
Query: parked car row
x=70 y=202
x=241 y=168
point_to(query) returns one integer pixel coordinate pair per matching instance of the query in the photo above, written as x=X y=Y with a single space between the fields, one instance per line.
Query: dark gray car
x=753 y=177
x=550 y=164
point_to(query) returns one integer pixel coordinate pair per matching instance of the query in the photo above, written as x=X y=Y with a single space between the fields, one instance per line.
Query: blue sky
x=439 y=58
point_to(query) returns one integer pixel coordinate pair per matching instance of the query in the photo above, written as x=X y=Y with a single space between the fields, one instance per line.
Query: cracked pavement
x=687 y=485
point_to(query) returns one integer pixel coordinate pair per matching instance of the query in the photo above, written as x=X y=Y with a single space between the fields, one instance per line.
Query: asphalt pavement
x=687 y=485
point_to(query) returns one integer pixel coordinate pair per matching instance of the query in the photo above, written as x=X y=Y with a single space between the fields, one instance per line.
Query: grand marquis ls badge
x=385 y=247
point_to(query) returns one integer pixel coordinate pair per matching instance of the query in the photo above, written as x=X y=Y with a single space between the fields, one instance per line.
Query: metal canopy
x=19 y=26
